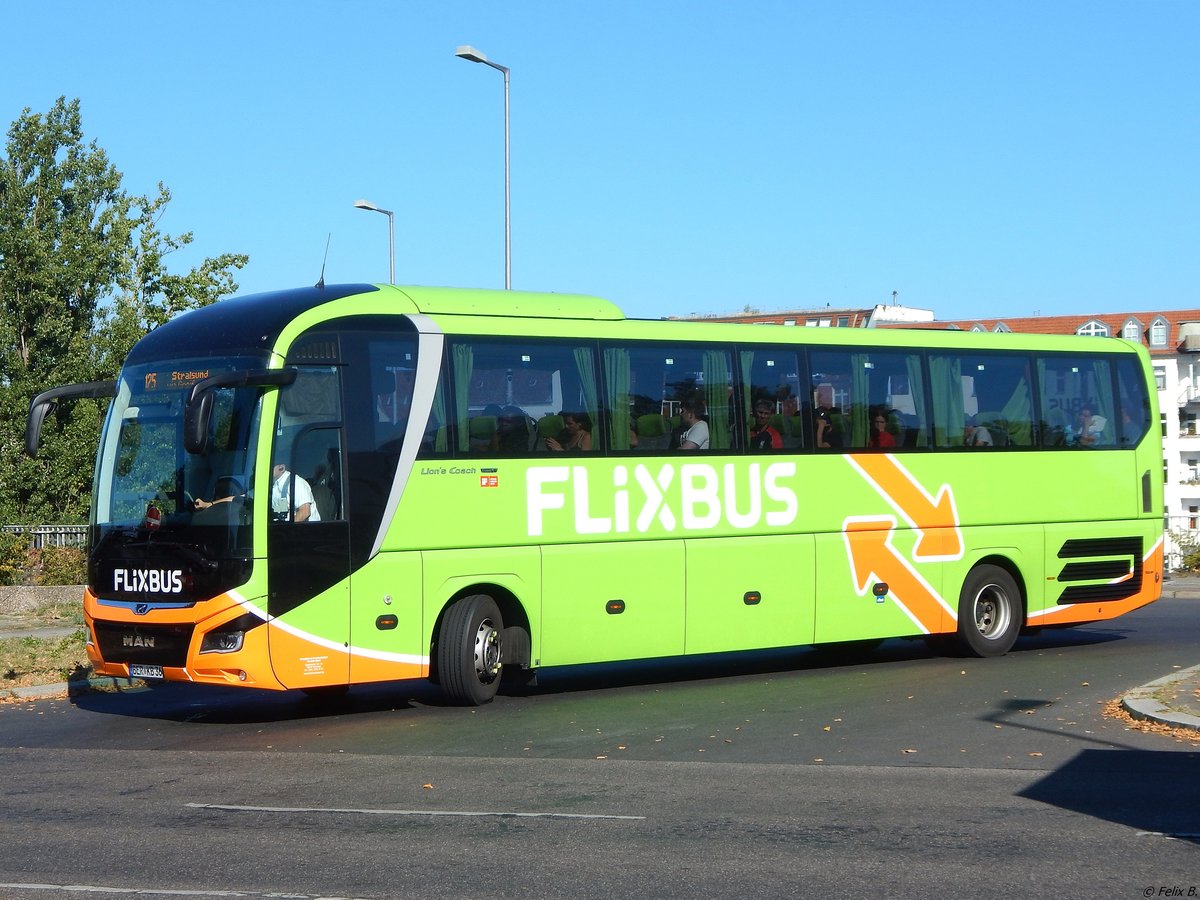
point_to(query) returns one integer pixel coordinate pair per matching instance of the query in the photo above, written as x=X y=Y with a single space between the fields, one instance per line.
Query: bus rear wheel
x=469 y=650
x=989 y=612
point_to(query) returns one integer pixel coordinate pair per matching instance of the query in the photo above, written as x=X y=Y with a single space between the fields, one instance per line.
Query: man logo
x=141 y=609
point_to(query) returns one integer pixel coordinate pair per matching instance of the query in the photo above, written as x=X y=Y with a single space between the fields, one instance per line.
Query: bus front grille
x=162 y=645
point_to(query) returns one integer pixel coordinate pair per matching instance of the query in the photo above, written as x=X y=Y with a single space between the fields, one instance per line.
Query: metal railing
x=1182 y=539
x=50 y=535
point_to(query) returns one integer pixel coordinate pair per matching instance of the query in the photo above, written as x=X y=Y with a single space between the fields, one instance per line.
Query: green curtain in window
x=949 y=415
x=585 y=362
x=441 y=442
x=716 y=396
x=747 y=366
x=860 y=392
x=616 y=383
x=464 y=365
x=916 y=389
x=1018 y=414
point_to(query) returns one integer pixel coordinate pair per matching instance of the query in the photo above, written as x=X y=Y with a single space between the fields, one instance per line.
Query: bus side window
x=1079 y=408
x=986 y=391
x=504 y=387
x=771 y=380
x=648 y=384
x=837 y=421
x=1135 y=402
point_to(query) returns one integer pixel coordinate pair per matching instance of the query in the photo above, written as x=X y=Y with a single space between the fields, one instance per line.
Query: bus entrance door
x=308 y=567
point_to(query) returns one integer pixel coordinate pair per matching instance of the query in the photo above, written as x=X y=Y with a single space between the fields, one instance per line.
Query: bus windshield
x=151 y=495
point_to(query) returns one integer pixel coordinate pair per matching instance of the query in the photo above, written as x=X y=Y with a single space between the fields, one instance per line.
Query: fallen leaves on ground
x=1114 y=710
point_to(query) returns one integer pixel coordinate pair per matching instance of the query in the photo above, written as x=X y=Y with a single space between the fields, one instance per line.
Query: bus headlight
x=228 y=638
x=222 y=642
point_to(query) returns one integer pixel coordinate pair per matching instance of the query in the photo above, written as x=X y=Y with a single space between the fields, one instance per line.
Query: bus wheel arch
x=991 y=608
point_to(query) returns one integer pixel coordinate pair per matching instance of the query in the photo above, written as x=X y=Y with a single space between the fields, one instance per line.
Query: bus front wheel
x=468 y=651
x=989 y=612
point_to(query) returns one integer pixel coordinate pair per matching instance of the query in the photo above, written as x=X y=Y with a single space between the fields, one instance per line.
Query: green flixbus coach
x=328 y=486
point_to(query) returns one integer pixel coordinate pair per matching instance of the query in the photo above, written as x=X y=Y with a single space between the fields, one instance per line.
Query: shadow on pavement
x=1155 y=791
x=204 y=704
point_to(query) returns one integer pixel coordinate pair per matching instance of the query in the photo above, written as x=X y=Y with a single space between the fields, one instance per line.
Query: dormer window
x=978 y=327
x=1132 y=330
x=1094 y=328
x=1158 y=332
x=1001 y=328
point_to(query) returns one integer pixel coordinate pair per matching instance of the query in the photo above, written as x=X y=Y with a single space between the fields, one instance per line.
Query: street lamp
x=470 y=53
x=367 y=204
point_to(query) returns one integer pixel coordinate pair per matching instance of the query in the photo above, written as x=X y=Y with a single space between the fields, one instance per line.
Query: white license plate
x=136 y=670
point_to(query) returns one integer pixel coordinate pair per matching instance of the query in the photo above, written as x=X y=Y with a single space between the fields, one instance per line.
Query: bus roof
x=254 y=322
x=480 y=302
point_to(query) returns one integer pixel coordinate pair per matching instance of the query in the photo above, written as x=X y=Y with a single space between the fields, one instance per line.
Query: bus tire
x=989 y=612
x=469 y=650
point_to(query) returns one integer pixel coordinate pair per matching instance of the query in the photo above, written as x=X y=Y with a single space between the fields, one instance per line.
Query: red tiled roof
x=1071 y=324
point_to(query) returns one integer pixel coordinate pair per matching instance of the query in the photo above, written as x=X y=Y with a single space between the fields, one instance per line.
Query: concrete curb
x=94 y=685
x=1141 y=704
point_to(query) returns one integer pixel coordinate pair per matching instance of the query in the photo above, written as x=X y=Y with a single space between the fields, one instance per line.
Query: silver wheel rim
x=487 y=652
x=992 y=612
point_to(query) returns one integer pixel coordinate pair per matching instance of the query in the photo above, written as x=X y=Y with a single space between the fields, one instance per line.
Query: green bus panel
x=848 y=569
x=516 y=570
x=612 y=601
x=744 y=593
x=389 y=585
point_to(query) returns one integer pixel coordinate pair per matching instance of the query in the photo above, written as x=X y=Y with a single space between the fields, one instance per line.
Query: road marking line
x=161 y=892
x=411 y=812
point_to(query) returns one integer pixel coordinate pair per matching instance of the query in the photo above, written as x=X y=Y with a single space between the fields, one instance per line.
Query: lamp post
x=367 y=204
x=470 y=53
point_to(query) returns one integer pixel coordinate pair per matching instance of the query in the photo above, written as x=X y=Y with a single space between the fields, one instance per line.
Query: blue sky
x=979 y=158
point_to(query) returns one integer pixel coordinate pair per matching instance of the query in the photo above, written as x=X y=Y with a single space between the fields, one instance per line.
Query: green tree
x=83 y=276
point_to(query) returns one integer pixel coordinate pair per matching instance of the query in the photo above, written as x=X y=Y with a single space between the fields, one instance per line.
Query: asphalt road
x=893 y=772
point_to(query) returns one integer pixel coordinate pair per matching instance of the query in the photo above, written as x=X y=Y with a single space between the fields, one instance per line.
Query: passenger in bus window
x=762 y=435
x=1091 y=427
x=576 y=433
x=513 y=431
x=303 y=507
x=695 y=433
x=880 y=437
x=827 y=420
x=975 y=435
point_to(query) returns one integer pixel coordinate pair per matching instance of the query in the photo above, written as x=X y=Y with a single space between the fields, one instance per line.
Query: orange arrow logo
x=936 y=518
x=874 y=559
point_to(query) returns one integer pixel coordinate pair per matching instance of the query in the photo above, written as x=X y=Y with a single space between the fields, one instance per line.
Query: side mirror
x=197 y=414
x=42 y=405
